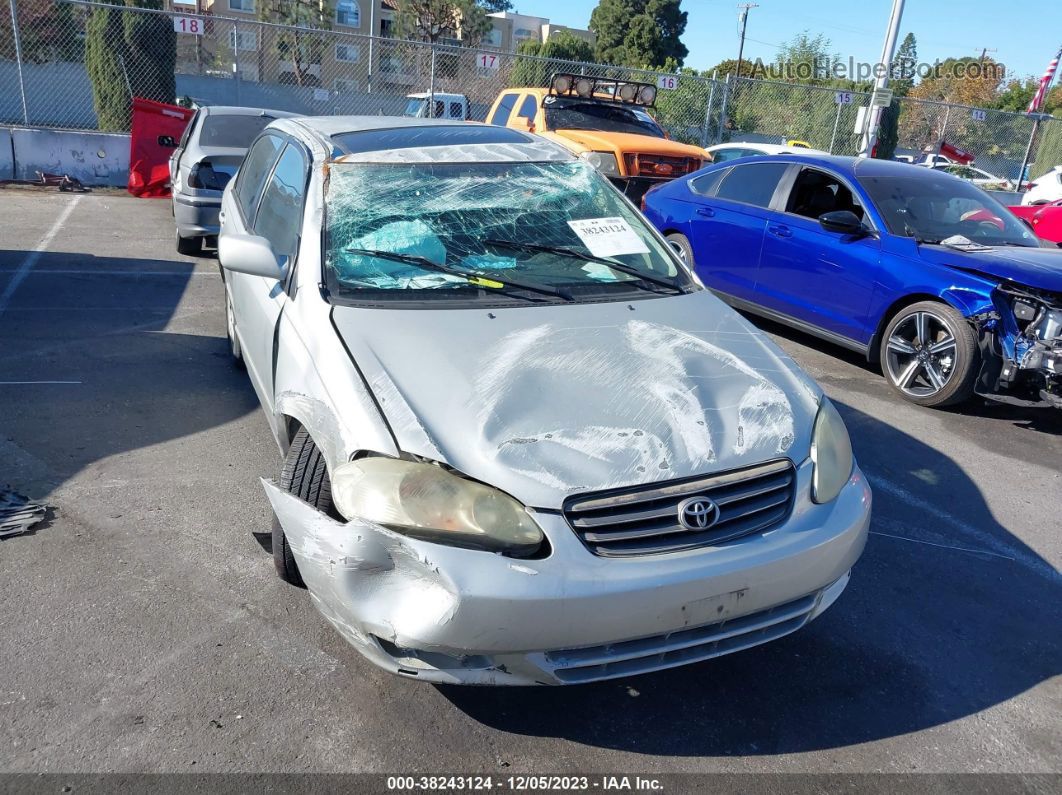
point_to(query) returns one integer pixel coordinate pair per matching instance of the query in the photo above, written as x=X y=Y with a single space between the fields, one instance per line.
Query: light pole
x=888 y=51
x=744 y=17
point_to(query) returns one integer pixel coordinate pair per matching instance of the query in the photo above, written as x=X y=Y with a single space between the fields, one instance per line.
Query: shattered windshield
x=566 y=114
x=488 y=231
x=936 y=208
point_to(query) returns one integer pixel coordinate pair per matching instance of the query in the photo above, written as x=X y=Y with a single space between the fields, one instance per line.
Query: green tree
x=639 y=33
x=730 y=67
x=297 y=43
x=901 y=81
x=805 y=59
x=437 y=20
x=129 y=54
x=561 y=50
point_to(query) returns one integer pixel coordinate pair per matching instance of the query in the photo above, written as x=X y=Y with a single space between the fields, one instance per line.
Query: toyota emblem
x=697 y=513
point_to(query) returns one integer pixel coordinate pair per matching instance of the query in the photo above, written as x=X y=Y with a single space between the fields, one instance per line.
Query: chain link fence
x=75 y=64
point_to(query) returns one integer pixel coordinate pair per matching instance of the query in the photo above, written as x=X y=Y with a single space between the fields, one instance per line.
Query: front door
x=821 y=278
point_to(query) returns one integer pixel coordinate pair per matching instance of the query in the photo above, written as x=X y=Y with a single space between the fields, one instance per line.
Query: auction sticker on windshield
x=608 y=237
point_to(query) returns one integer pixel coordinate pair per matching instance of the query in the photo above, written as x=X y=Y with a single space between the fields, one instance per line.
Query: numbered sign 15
x=667 y=82
x=843 y=97
x=488 y=60
x=192 y=25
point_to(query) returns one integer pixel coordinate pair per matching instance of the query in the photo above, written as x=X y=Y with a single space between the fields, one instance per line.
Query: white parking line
x=31 y=260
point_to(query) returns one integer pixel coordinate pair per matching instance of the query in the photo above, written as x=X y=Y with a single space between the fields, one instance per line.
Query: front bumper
x=460 y=616
x=196 y=216
x=636 y=187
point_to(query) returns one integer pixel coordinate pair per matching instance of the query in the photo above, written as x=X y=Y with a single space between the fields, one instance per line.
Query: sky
x=1025 y=36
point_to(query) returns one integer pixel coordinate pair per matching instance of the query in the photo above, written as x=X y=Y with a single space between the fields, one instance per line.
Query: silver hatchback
x=522 y=444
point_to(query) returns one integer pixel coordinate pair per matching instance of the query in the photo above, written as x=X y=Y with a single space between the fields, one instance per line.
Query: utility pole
x=744 y=8
x=985 y=51
x=888 y=52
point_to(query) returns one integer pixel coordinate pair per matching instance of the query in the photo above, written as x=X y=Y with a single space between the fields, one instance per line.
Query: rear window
x=231 y=131
x=752 y=183
x=427 y=135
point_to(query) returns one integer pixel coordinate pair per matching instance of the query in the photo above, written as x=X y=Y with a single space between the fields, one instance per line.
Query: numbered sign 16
x=667 y=82
x=843 y=97
x=488 y=60
x=192 y=25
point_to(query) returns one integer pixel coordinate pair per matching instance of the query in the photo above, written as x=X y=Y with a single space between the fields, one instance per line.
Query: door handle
x=780 y=231
x=707 y=212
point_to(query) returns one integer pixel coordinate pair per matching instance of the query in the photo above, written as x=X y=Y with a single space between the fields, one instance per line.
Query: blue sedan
x=920 y=271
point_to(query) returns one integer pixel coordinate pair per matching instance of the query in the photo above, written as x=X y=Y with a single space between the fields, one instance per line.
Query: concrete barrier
x=93 y=158
x=7 y=155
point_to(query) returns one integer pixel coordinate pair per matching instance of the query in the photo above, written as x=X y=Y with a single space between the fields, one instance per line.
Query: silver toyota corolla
x=522 y=444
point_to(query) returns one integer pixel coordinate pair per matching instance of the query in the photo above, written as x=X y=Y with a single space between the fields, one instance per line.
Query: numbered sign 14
x=192 y=25
x=488 y=60
x=667 y=82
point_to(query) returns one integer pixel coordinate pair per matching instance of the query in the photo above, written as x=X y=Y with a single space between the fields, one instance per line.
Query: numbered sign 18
x=488 y=60
x=667 y=82
x=192 y=25
x=843 y=97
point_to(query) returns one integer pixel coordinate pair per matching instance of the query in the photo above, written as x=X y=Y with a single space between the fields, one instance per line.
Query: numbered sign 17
x=488 y=60
x=192 y=25
x=667 y=82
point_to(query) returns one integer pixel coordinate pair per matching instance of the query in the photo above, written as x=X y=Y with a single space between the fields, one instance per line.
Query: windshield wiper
x=567 y=252
x=477 y=278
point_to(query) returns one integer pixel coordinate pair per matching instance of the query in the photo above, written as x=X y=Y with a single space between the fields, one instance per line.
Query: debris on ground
x=18 y=514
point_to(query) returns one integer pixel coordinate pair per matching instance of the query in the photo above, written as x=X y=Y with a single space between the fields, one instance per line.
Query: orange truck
x=605 y=122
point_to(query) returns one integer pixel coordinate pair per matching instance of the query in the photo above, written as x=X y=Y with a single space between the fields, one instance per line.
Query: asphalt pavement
x=143 y=627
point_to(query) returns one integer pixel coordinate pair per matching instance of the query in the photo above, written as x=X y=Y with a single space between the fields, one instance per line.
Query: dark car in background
x=918 y=270
x=210 y=151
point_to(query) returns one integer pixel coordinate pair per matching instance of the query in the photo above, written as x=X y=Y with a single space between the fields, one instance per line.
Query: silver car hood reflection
x=547 y=401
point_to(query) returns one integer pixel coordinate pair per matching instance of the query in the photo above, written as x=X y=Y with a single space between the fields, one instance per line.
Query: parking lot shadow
x=92 y=367
x=947 y=614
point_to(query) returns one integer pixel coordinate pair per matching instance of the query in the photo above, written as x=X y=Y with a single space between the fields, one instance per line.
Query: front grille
x=645 y=520
x=660 y=166
x=682 y=646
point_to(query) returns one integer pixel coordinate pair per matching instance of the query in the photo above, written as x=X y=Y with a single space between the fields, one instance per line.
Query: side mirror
x=250 y=254
x=844 y=222
x=167 y=141
x=529 y=124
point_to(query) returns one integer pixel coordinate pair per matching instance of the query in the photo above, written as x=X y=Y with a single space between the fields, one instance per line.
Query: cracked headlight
x=605 y=162
x=427 y=502
x=831 y=453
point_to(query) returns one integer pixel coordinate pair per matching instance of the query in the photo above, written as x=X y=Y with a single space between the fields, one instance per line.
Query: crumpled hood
x=543 y=402
x=1034 y=267
x=598 y=141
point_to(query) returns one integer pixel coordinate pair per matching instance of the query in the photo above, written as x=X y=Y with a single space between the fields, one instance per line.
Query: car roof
x=773 y=149
x=239 y=110
x=855 y=167
x=401 y=139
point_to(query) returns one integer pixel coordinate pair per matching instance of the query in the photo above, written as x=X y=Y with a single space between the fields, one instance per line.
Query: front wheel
x=929 y=354
x=230 y=330
x=305 y=475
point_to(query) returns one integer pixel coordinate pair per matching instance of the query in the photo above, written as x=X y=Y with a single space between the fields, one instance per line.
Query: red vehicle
x=1046 y=219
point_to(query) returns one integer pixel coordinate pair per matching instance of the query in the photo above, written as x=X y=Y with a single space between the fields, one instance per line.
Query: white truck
x=447 y=106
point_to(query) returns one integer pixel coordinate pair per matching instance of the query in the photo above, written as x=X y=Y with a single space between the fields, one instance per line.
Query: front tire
x=305 y=475
x=929 y=354
x=235 y=348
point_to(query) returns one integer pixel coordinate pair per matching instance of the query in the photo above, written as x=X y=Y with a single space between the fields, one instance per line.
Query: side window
x=440 y=107
x=706 y=184
x=252 y=174
x=455 y=111
x=816 y=192
x=752 y=183
x=723 y=155
x=529 y=107
x=279 y=217
x=505 y=107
